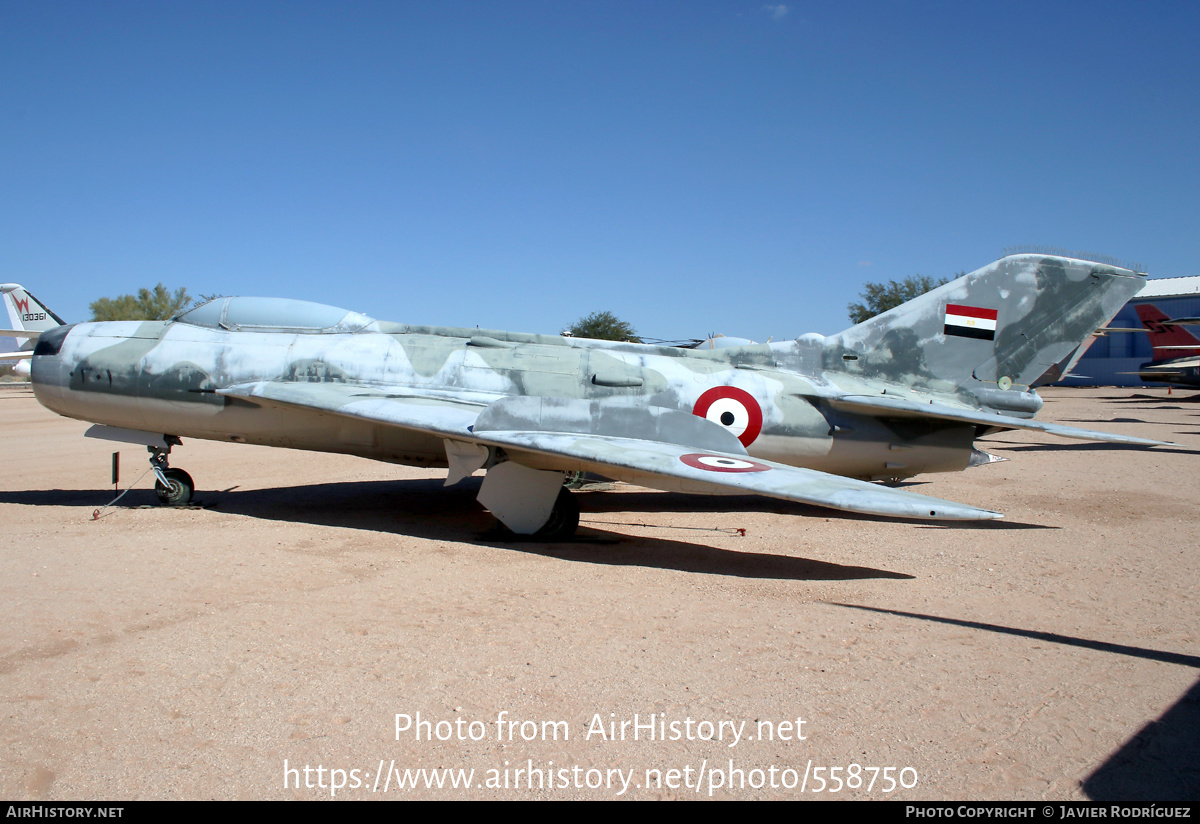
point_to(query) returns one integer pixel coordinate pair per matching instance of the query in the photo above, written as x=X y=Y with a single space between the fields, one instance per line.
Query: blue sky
x=694 y=167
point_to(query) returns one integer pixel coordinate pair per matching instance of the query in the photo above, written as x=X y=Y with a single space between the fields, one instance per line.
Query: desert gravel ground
x=262 y=646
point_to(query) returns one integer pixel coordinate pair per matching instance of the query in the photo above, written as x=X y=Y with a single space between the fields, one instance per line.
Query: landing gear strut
x=174 y=487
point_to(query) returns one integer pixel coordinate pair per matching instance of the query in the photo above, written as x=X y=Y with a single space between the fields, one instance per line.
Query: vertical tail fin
x=1000 y=327
x=23 y=313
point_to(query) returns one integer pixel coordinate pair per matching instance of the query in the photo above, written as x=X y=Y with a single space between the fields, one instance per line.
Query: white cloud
x=778 y=11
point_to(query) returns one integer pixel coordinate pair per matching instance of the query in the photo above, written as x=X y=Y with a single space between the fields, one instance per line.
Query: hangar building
x=1111 y=357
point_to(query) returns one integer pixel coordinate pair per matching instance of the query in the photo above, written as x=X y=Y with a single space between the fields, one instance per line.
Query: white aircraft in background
x=27 y=318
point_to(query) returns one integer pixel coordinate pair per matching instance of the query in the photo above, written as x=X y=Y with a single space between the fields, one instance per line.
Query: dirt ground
x=328 y=626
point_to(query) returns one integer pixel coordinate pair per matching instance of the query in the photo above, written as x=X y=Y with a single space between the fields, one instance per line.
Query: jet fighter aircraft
x=814 y=419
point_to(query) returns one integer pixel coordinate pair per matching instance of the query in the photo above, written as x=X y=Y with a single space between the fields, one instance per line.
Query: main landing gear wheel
x=178 y=489
x=564 y=518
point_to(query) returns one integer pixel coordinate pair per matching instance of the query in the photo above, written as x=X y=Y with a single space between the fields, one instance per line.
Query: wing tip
x=966 y=515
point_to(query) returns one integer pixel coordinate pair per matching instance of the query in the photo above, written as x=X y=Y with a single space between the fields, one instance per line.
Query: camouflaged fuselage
x=163 y=377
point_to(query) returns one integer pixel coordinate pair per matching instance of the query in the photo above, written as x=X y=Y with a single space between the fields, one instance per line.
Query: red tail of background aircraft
x=1170 y=340
x=1176 y=350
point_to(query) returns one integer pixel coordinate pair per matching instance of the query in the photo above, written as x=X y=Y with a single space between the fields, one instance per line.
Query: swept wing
x=677 y=452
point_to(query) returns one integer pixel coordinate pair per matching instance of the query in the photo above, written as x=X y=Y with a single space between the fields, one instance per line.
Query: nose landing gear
x=174 y=487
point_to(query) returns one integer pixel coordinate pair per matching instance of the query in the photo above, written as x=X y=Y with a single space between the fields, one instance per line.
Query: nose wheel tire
x=179 y=488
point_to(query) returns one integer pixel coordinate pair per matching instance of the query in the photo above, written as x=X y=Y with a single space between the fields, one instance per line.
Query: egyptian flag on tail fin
x=970 y=322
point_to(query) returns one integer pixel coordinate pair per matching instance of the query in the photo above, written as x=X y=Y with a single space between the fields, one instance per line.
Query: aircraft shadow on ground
x=651 y=501
x=1153 y=401
x=425 y=509
x=1015 y=446
x=1159 y=763
x=1104 y=421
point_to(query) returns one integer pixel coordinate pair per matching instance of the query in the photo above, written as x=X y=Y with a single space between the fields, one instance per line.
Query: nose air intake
x=50 y=343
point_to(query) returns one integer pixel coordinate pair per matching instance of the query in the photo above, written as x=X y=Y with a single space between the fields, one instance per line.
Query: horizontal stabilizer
x=1166 y=366
x=901 y=408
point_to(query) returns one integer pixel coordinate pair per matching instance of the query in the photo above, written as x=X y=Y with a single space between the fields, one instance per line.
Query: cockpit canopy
x=274 y=315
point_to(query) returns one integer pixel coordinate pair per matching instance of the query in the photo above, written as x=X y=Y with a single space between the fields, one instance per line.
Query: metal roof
x=1170 y=287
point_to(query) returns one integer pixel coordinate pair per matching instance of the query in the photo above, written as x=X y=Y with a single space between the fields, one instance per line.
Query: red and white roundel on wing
x=721 y=463
x=733 y=408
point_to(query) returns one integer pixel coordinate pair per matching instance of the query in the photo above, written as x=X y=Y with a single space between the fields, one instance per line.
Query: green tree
x=880 y=297
x=149 y=304
x=603 y=326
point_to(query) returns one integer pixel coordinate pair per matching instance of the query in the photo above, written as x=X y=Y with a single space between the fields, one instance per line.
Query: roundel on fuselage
x=733 y=408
